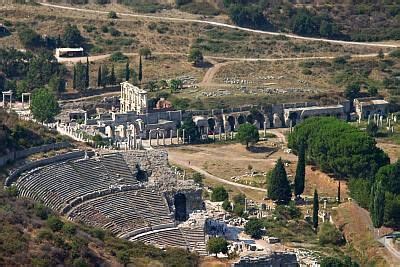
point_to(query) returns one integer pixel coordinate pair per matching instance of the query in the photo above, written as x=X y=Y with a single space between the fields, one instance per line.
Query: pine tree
x=113 y=79
x=299 y=179
x=87 y=73
x=315 y=209
x=99 y=77
x=278 y=184
x=338 y=193
x=127 y=71
x=74 y=79
x=377 y=205
x=140 y=76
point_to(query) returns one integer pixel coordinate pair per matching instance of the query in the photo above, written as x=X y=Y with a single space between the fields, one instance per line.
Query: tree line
x=349 y=153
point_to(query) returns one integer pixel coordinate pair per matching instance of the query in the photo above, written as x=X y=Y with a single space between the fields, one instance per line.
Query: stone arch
x=259 y=118
x=294 y=117
x=231 y=123
x=241 y=119
x=180 y=207
x=250 y=118
x=211 y=124
x=220 y=122
x=141 y=175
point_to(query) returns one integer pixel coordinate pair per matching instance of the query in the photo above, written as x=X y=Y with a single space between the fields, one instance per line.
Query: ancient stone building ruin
x=369 y=106
x=133 y=99
x=135 y=195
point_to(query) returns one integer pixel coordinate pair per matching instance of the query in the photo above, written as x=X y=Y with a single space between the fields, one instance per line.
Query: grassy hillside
x=344 y=19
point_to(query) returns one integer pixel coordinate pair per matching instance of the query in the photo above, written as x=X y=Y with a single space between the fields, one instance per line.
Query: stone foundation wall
x=154 y=163
x=194 y=199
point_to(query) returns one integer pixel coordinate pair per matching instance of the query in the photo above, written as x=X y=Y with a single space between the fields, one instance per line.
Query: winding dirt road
x=219 y=24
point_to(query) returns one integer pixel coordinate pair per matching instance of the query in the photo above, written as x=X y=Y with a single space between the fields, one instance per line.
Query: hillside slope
x=344 y=19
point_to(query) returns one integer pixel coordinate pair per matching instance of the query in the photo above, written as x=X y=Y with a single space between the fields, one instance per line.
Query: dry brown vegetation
x=356 y=226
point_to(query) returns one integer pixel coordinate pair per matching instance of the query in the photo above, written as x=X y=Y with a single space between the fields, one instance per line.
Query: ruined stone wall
x=154 y=163
x=194 y=199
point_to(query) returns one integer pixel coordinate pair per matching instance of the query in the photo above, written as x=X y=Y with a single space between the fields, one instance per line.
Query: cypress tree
x=377 y=205
x=338 y=193
x=278 y=184
x=99 y=77
x=104 y=76
x=127 y=71
x=113 y=80
x=87 y=73
x=299 y=179
x=74 y=79
x=140 y=76
x=315 y=210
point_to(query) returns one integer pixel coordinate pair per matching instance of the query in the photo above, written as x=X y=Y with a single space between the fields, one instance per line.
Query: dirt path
x=223 y=25
x=179 y=161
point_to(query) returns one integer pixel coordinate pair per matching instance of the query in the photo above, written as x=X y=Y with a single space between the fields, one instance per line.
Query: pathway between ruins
x=185 y=164
x=225 y=26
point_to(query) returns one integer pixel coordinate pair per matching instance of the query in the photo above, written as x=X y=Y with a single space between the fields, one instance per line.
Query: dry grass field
x=233 y=160
x=356 y=225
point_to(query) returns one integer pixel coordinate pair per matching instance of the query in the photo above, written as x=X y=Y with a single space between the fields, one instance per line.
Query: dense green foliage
x=299 y=179
x=247 y=14
x=195 y=56
x=377 y=205
x=198 y=178
x=44 y=106
x=391 y=216
x=72 y=37
x=389 y=176
x=329 y=234
x=254 y=228
x=219 y=193
x=247 y=134
x=22 y=72
x=192 y=133
x=278 y=184
x=372 y=129
x=287 y=212
x=336 y=262
x=339 y=148
x=217 y=245
x=359 y=21
x=360 y=190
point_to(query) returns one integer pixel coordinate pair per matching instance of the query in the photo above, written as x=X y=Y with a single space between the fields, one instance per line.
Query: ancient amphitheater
x=134 y=194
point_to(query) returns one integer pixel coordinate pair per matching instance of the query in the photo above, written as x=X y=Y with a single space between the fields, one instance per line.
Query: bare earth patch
x=357 y=228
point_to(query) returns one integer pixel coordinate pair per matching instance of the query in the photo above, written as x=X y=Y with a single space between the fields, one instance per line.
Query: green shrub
x=12 y=191
x=112 y=15
x=69 y=229
x=54 y=223
x=219 y=193
x=395 y=53
x=98 y=233
x=45 y=234
x=41 y=211
x=328 y=234
x=118 y=56
x=254 y=228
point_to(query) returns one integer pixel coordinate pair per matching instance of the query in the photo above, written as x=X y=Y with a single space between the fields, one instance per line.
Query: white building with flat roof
x=69 y=52
x=133 y=99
